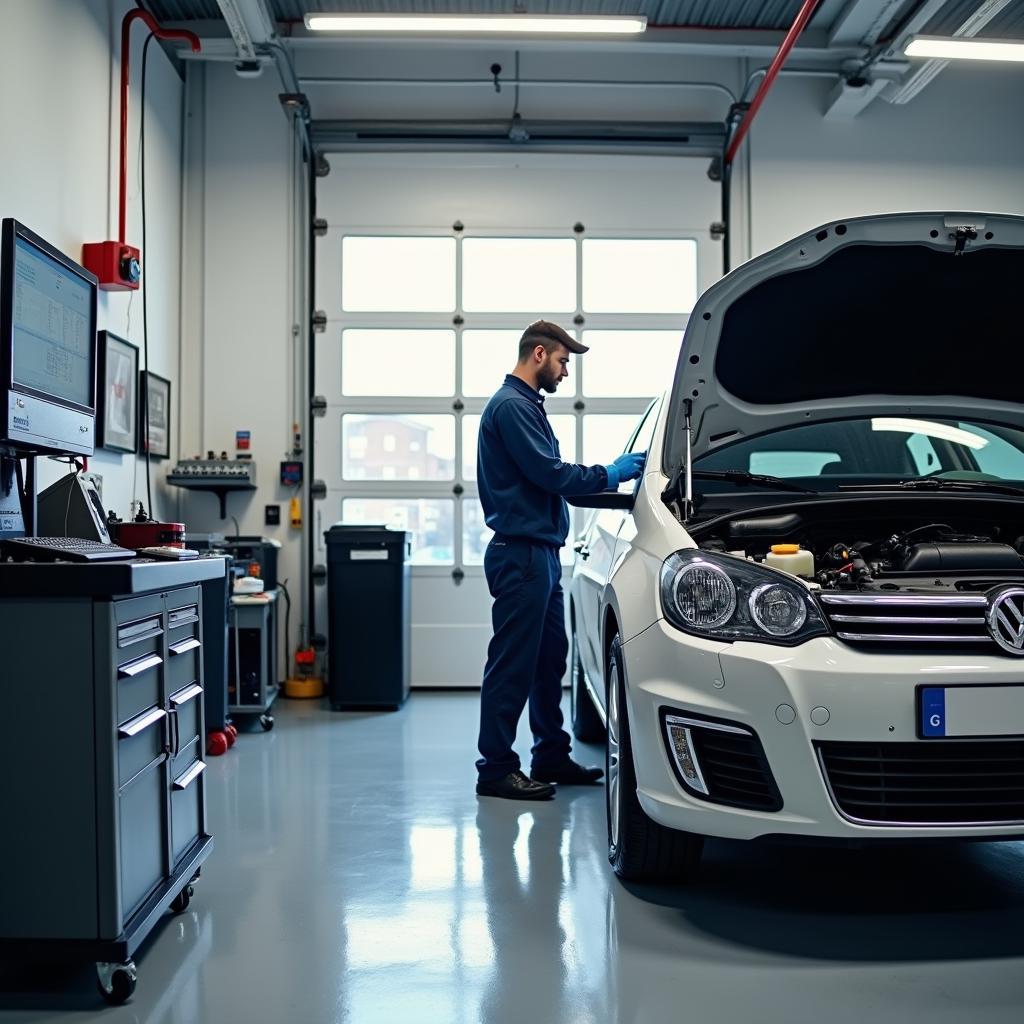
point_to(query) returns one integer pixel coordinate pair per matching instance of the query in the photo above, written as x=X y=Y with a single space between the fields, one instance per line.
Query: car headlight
x=725 y=598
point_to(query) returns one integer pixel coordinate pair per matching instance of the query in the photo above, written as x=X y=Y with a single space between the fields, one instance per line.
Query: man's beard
x=549 y=381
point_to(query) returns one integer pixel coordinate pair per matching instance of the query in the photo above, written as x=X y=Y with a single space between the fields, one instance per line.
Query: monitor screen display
x=51 y=307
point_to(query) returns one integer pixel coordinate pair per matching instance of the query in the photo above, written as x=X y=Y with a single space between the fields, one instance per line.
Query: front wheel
x=587 y=726
x=639 y=849
x=180 y=902
x=116 y=982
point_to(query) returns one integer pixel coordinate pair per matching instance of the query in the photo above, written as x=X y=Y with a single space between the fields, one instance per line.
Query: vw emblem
x=1006 y=619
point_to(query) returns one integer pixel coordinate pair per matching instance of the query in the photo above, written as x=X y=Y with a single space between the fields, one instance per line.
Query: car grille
x=941 y=782
x=735 y=769
x=915 y=620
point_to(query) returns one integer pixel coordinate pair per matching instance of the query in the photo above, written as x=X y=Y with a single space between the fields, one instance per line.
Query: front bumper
x=869 y=698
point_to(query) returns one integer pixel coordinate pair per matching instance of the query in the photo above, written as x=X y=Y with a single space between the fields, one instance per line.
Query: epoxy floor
x=357 y=878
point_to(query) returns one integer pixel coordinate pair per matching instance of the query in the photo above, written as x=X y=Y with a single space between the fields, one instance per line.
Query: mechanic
x=523 y=485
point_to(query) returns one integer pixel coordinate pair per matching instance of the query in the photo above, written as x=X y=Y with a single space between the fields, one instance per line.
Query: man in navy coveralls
x=523 y=485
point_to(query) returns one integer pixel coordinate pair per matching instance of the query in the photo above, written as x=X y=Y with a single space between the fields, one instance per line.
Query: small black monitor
x=47 y=347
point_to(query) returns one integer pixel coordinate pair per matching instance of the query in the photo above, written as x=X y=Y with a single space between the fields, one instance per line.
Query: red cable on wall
x=161 y=33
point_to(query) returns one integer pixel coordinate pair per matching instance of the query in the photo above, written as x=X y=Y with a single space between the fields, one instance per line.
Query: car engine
x=874 y=552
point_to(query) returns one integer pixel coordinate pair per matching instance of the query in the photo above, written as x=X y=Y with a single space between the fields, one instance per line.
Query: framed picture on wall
x=117 y=394
x=155 y=390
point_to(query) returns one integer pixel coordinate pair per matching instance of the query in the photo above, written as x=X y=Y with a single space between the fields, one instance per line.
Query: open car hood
x=918 y=314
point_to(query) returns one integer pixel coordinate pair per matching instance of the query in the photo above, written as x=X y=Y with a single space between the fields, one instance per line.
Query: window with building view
x=414 y=383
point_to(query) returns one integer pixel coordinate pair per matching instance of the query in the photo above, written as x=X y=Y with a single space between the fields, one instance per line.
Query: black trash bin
x=368 y=617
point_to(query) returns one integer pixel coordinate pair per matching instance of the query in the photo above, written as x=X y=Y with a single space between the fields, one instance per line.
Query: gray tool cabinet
x=252 y=656
x=101 y=746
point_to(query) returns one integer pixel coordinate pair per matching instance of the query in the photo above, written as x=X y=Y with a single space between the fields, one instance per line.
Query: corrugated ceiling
x=759 y=14
x=1007 y=24
x=768 y=14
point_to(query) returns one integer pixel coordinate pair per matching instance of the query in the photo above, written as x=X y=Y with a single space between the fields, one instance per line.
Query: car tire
x=587 y=726
x=639 y=849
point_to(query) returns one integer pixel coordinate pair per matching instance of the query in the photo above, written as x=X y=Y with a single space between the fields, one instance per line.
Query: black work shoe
x=569 y=774
x=515 y=786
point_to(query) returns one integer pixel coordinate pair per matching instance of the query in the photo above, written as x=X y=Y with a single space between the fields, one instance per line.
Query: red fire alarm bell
x=117 y=265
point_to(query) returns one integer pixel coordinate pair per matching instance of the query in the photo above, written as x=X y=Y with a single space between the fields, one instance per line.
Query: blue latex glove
x=625 y=467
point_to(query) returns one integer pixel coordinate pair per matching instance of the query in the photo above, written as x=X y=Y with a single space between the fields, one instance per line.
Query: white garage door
x=423 y=323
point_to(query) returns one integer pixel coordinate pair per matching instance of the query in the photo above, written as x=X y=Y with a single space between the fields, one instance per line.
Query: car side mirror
x=604 y=499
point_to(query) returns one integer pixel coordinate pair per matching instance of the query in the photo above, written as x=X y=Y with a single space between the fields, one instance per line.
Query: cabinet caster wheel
x=180 y=902
x=116 y=982
x=217 y=744
x=267 y=722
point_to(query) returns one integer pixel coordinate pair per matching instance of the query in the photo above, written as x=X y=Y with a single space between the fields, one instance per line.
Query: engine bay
x=880 y=547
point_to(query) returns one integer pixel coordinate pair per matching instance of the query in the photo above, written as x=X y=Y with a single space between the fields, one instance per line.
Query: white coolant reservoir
x=791 y=558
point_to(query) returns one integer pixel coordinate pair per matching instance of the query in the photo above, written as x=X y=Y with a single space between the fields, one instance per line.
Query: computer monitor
x=47 y=348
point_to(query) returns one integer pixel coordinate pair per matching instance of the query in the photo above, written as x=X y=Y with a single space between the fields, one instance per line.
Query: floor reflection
x=357 y=879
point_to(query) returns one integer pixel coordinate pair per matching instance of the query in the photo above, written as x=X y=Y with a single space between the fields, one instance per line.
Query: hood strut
x=678 y=495
x=688 y=494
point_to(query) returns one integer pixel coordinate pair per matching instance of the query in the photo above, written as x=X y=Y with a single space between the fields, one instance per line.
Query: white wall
x=958 y=146
x=58 y=175
x=237 y=314
x=59 y=76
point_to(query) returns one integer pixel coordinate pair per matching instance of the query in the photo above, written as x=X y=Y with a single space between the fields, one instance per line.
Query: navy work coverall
x=522 y=480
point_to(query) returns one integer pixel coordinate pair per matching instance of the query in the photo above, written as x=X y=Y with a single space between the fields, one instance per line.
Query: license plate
x=978 y=711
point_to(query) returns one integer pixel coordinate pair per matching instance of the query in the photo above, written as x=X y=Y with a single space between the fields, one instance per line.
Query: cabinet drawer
x=188 y=753
x=183 y=661
x=138 y=685
x=140 y=742
x=182 y=612
x=187 y=706
x=141 y=825
x=186 y=807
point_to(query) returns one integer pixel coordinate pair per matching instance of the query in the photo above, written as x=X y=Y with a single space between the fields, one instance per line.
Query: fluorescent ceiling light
x=508 y=24
x=965 y=49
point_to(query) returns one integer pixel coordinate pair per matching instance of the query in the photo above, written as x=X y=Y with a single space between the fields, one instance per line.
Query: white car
x=807 y=619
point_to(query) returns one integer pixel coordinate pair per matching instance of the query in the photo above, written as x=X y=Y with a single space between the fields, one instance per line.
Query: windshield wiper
x=934 y=483
x=739 y=476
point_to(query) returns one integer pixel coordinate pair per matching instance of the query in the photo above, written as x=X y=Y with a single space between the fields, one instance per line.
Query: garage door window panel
x=397 y=363
x=398 y=447
x=389 y=274
x=627 y=275
x=510 y=275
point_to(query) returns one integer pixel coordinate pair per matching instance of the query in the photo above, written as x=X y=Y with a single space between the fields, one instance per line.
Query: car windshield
x=876 y=449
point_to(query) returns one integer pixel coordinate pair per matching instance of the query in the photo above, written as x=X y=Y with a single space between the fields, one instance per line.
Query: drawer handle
x=134 y=668
x=140 y=724
x=136 y=632
x=183 y=646
x=184 y=696
x=183 y=616
x=186 y=779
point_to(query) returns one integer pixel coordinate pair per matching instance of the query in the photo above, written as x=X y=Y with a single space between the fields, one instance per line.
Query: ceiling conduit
x=733 y=144
x=805 y=14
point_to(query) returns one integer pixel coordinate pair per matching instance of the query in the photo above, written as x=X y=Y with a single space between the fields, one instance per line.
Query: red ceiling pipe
x=161 y=33
x=804 y=16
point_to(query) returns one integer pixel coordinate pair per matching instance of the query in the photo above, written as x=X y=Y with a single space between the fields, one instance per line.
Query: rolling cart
x=252 y=656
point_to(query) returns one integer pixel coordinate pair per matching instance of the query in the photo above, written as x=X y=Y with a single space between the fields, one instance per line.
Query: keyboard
x=64 y=549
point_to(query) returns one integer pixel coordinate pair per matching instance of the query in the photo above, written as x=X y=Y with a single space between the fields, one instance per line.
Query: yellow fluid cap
x=785 y=549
